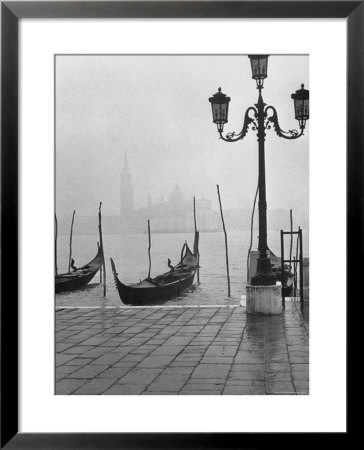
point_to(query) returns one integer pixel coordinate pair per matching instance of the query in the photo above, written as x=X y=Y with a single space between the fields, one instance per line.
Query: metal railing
x=296 y=261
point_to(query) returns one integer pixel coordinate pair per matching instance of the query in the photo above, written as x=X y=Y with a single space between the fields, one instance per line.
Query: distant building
x=176 y=214
x=207 y=218
x=173 y=215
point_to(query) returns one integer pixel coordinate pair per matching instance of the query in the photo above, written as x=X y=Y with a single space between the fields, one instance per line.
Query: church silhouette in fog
x=172 y=215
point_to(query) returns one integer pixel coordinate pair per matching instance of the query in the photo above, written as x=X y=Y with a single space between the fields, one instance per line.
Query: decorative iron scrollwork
x=272 y=121
x=232 y=136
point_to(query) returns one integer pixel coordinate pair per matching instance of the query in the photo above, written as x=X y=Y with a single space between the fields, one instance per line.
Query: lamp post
x=261 y=118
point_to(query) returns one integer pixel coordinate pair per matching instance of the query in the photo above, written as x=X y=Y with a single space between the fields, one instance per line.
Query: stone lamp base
x=264 y=299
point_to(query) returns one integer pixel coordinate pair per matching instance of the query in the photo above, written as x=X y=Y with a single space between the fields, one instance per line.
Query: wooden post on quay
x=70 y=255
x=98 y=246
x=226 y=244
x=102 y=251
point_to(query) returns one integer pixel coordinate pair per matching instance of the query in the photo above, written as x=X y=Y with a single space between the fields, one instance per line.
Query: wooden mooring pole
x=198 y=251
x=55 y=243
x=226 y=244
x=149 y=246
x=98 y=246
x=102 y=251
x=70 y=255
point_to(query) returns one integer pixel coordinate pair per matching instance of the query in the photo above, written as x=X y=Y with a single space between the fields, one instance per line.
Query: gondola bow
x=78 y=279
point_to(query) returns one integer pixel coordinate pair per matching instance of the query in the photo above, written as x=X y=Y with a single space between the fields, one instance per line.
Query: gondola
x=78 y=279
x=288 y=276
x=163 y=287
x=286 y=280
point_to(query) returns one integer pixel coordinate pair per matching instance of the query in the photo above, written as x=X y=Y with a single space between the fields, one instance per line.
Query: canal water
x=130 y=254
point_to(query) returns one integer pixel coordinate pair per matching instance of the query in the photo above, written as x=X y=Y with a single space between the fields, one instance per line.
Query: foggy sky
x=156 y=109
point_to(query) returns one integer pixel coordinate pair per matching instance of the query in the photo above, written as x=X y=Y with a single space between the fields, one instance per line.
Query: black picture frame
x=11 y=13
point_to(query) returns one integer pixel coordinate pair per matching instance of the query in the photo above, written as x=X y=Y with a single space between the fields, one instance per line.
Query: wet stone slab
x=181 y=351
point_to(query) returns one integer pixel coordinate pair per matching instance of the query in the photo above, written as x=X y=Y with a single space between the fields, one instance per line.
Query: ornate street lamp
x=262 y=118
x=301 y=105
x=220 y=109
x=259 y=65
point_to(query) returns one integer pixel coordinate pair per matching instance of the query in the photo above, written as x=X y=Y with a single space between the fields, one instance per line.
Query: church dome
x=176 y=196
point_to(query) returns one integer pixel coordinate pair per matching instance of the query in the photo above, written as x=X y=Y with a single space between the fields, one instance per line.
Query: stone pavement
x=181 y=350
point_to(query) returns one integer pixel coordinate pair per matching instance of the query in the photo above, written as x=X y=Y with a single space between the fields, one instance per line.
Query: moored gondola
x=79 y=278
x=286 y=280
x=163 y=287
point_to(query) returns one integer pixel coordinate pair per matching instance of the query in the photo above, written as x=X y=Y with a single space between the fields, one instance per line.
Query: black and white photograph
x=181 y=224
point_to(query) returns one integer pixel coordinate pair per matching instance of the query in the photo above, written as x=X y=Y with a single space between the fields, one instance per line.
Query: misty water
x=130 y=254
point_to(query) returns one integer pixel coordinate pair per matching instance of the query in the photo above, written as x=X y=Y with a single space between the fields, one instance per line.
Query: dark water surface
x=130 y=254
